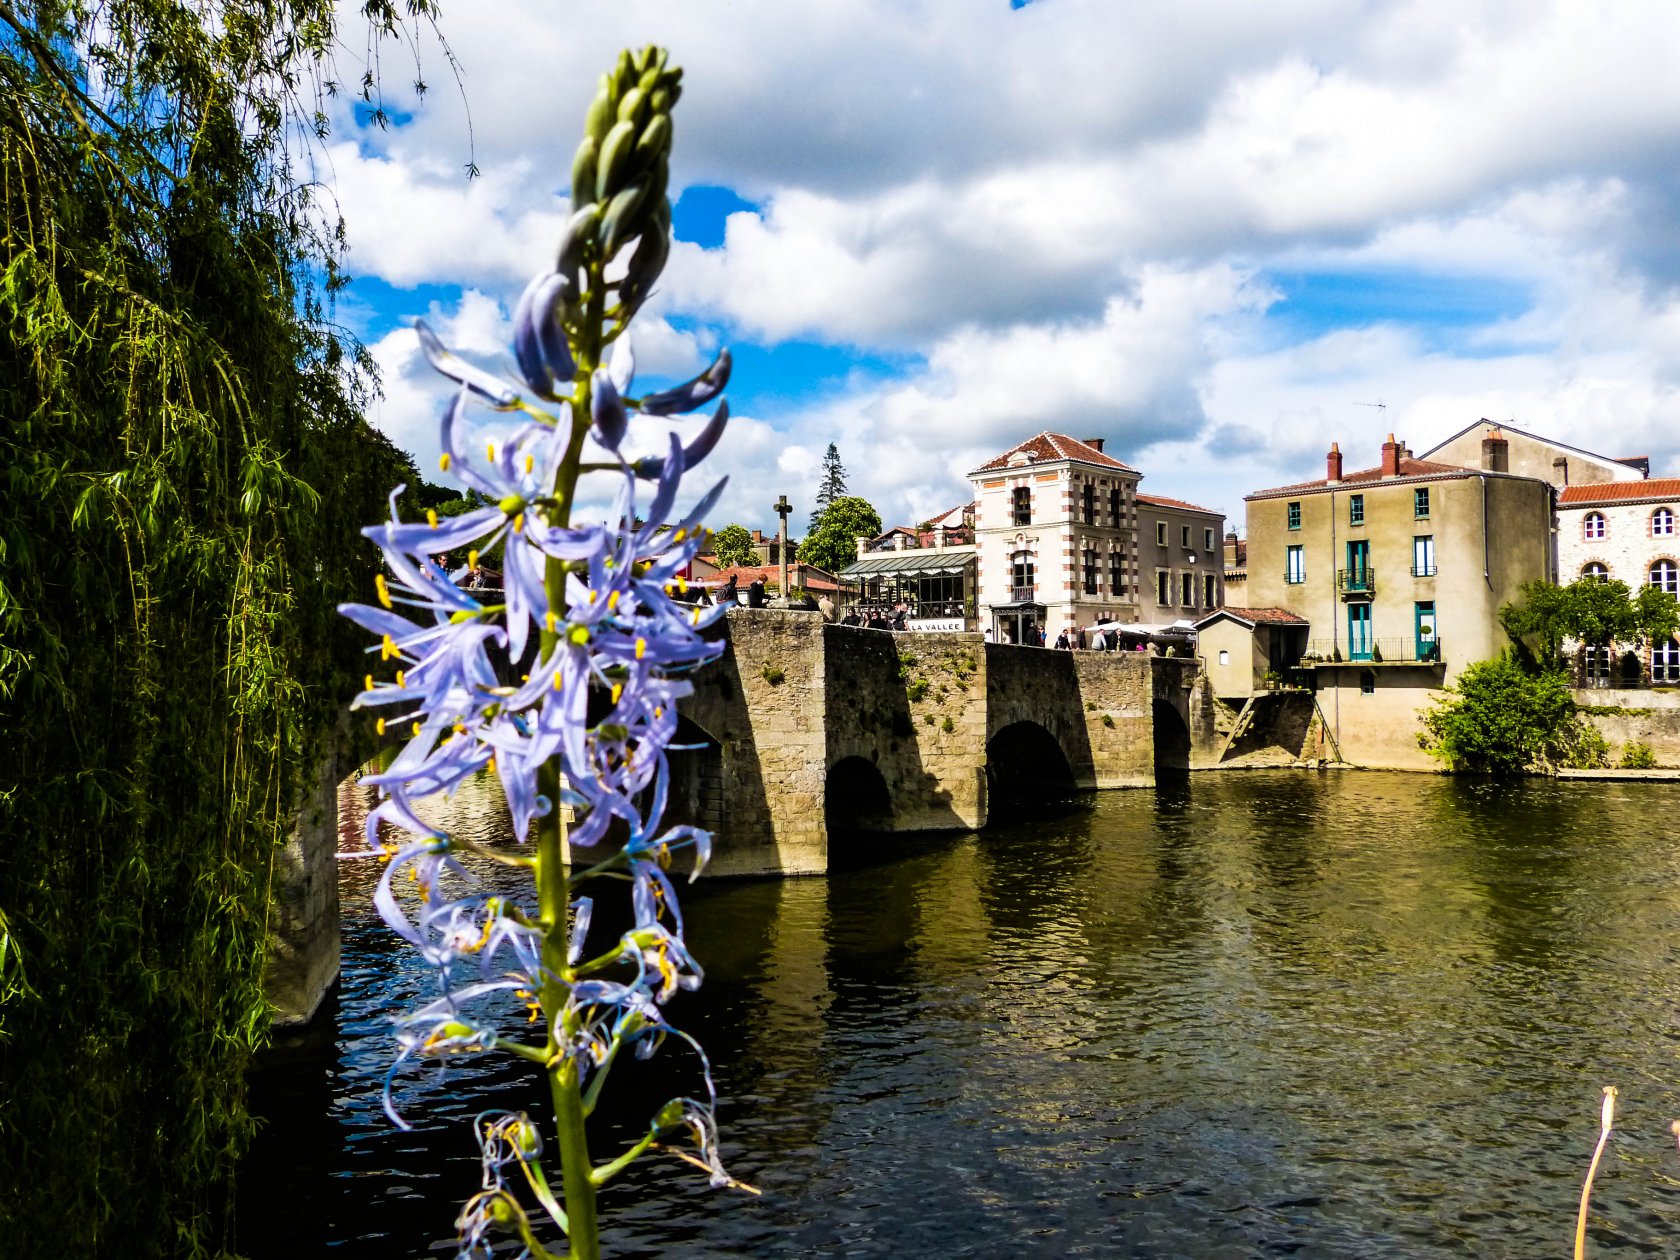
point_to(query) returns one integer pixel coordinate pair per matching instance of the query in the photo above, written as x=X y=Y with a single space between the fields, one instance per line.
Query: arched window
x=1662 y=523
x=1596 y=571
x=1593 y=525
x=1665 y=576
x=1665 y=662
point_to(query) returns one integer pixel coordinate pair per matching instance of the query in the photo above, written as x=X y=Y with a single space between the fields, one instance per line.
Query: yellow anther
x=491 y=764
x=416 y=728
x=431 y=517
x=557 y=680
x=459 y=729
x=551 y=619
x=641 y=648
x=612 y=600
x=530 y=463
x=519 y=523
x=367 y=683
x=379 y=727
x=524 y=678
x=682 y=585
x=592 y=595
x=694 y=617
x=401 y=679
x=659 y=711
x=472 y=559
x=617 y=691
x=384 y=590
x=443 y=461
x=490 y=451
x=679 y=535
x=388 y=649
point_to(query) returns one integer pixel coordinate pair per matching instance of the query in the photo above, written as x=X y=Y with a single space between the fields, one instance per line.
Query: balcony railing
x=1423 y=570
x=1357 y=581
x=1399 y=650
x=1023 y=594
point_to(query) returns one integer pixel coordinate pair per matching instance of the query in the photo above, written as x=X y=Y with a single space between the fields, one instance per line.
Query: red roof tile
x=1653 y=489
x=1256 y=616
x=813 y=579
x=1052 y=446
x=1408 y=468
x=1156 y=500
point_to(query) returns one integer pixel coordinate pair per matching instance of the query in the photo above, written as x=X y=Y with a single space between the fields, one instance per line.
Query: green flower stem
x=606 y=1172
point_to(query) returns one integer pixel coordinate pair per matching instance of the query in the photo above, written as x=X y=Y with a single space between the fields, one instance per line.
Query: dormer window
x=1592 y=528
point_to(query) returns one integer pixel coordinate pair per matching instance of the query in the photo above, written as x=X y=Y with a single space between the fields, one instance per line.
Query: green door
x=1359 y=632
x=1359 y=566
x=1425 y=617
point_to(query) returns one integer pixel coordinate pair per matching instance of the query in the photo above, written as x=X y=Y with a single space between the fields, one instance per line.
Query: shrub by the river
x=1638 y=756
x=1499 y=719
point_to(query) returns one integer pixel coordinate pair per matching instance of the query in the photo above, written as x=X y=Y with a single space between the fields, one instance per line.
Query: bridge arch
x=856 y=800
x=697 y=795
x=1026 y=762
x=1172 y=737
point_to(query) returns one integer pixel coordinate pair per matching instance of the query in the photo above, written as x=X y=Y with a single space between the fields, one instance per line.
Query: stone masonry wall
x=1625 y=717
x=303 y=934
x=764 y=703
x=912 y=705
x=1117 y=690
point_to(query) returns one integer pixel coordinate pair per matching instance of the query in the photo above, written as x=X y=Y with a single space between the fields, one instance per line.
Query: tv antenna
x=1379 y=405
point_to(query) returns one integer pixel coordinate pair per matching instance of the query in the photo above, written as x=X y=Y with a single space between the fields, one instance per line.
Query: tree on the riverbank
x=832 y=545
x=186 y=468
x=1499 y=718
x=1590 y=610
x=831 y=488
x=733 y=545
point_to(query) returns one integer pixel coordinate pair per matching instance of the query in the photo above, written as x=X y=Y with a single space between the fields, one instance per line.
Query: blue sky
x=1210 y=233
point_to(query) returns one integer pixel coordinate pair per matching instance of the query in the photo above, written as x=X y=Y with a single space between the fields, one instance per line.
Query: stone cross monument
x=783 y=507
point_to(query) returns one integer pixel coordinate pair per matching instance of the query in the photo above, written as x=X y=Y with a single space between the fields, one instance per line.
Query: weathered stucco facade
x=1401 y=571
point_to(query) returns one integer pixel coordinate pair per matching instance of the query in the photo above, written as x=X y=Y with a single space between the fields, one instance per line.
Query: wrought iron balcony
x=1423 y=570
x=1357 y=582
x=1023 y=594
x=1399 y=650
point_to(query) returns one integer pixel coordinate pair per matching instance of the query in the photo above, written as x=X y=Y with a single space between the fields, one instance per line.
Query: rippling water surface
x=1259 y=1014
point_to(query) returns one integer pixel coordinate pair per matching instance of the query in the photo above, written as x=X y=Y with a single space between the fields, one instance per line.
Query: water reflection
x=1335 y=1015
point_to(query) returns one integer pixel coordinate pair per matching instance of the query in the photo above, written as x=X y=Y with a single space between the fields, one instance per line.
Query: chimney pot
x=1391 y=457
x=1333 y=463
x=1096 y=444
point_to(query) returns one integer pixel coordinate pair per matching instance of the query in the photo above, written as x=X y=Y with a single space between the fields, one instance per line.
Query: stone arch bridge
x=806 y=734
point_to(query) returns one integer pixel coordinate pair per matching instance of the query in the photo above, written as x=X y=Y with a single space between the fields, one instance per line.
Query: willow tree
x=184 y=465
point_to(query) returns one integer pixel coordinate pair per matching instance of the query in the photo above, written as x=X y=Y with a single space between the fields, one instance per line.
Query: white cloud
x=1060 y=216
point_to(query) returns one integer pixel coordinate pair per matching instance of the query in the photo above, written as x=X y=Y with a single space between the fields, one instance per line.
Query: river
x=1262 y=1013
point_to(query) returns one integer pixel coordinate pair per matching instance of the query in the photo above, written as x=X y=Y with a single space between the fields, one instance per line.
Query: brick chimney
x=1095 y=444
x=1496 y=452
x=1333 y=464
x=1560 y=471
x=1391 y=457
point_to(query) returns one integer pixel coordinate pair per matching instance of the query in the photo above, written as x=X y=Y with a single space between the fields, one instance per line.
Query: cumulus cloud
x=1062 y=220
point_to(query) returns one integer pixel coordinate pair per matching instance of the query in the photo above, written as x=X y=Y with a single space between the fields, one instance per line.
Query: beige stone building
x=1241 y=647
x=1401 y=570
x=1530 y=455
x=1065 y=541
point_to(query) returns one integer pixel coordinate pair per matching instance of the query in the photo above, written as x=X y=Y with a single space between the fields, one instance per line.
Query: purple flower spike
x=691 y=394
x=606 y=409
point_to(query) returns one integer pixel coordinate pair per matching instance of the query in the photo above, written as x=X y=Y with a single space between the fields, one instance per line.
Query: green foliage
x=917 y=690
x=773 y=675
x=1638 y=756
x=185 y=468
x=947 y=725
x=732 y=545
x=831 y=488
x=1500 y=719
x=1108 y=720
x=1589 y=610
x=832 y=544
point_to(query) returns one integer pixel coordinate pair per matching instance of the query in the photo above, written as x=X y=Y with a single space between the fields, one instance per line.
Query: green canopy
x=908 y=564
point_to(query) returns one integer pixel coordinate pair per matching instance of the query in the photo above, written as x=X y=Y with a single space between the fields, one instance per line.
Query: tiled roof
x=1256 y=616
x=1155 y=500
x=1621 y=491
x=1408 y=468
x=813 y=579
x=1052 y=446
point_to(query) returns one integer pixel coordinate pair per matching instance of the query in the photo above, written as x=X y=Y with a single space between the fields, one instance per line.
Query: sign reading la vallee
x=943 y=625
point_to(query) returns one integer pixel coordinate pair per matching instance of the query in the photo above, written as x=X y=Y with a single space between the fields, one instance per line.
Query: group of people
x=730 y=593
